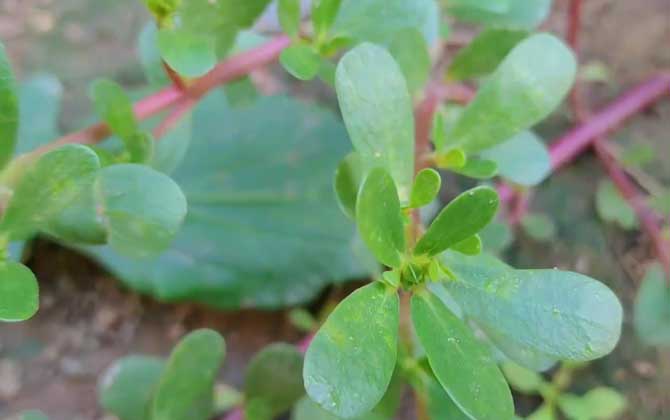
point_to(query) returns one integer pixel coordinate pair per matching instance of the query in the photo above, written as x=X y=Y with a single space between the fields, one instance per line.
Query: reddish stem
x=176 y=79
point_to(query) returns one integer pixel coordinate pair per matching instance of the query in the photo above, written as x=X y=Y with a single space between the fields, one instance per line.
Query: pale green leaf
x=150 y=56
x=612 y=207
x=289 y=16
x=652 y=308
x=469 y=246
x=379 y=218
x=545 y=412
x=348 y=178
x=522 y=379
x=141 y=208
x=127 y=386
x=462 y=364
x=524 y=14
x=189 y=54
x=274 y=376
x=377 y=110
x=463 y=217
x=559 y=314
x=600 y=403
x=484 y=53
x=301 y=61
x=39 y=104
x=539 y=226
x=425 y=189
x=350 y=362
x=324 y=13
x=477 y=168
x=19 y=294
x=114 y=107
x=523 y=159
x=186 y=387
x=410 y=50
x=525 y=88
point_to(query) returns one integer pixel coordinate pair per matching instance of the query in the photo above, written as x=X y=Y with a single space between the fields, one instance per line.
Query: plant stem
x=647 y=218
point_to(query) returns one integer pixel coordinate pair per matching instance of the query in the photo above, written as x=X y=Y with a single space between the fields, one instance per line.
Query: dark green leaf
x=539 y=226
x=274 y=376
x=462 y=365
x=410 y=50
x=186 y=387
x=463 y=217
x=189 y=54
x=141 y=208
x=289 y=16
x=378 y=20
x=378 y=112
x=559 y=314
x=379 y=218
x=9 y=109
x=477 y=168
x=527 y=86
x=469 y=246
x=324 y=13
x=484 y=53
x=301 y=61
x=523 y=159
x=612 y=207
x=39 y=104
x=524 y=14
x=263 y=221
x=349 y=364
x=348 y=178
x=19 y=294
x=426 y=187
x=47 y=187
x=652 y=308
x=127 y=386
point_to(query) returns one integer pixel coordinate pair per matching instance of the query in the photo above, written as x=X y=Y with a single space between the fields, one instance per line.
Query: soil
x=87 y=320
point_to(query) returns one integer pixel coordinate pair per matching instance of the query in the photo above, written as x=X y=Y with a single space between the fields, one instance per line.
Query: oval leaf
x=463 y=217
x=127 y=386
x=527 y=86
x=142 y=208
x=301 y=61
x=186 y=388
x=19 y=293
x=377 y=110
x=462 y=364
x=283 y=364
x=410 y=50
x=523 y=159
x=560 y=314
x=426 y=187
x=379 y=218
x=349 y=364
x=189 y=54
x=289 y=16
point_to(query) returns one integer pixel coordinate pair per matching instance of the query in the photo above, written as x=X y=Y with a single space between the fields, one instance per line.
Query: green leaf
x=523 y=14
x=150 y=56
x=39 y=105
x=289 y=16
x=469 y=246
x=559 y=314
x=462 y=365
x=127 y=386
x=463 y=217
x=426 y=187
x=495 y=6
x=301 y=61
x=241 y=93
x=612 y=207
x=545 y=412
x=652 y=308
x=33 y=415
x=484 y=53
x=496 y=237
x=410 y=50
x=9 y=108
x=189 y=54
x=440 y=405
x=378 y=20
x=377 y=110
x=283 y=364
x=661 y=203
x=47 y=187
x=172 y=148
x=523 y=159
x=141 y=208
x=379 y=218
x=477 y=169
x=521 y=379
x=349 y=364
x=19 y=294
x=539 y=226
x=79 y=222
x=324 y=13
x=114 y=107
x=263 y=221
x=348 y=178
x=598 y=403
x=186 y=387
x=525 y=88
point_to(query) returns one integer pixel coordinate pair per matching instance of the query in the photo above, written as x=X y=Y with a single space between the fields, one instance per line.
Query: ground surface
x=53 y=361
